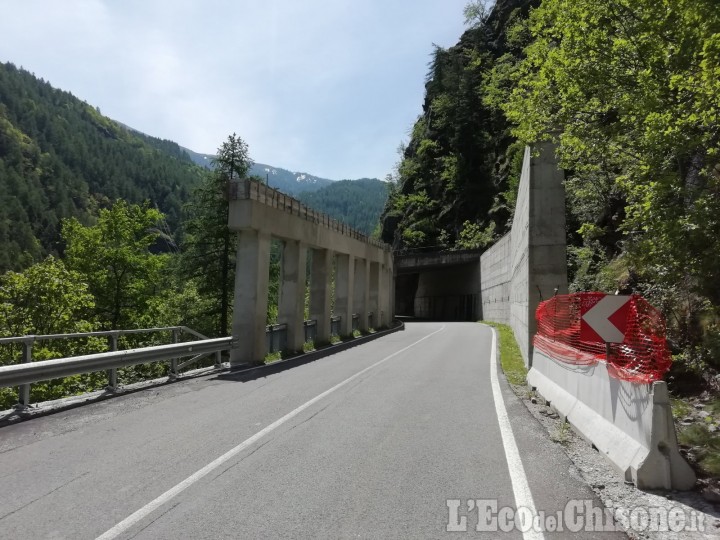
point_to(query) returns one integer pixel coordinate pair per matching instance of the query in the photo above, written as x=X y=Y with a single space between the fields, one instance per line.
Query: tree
x=113 y=257
x=60 y=158
x=630 y=89
x=46 y=298
x=460 y=159
x=209 y=247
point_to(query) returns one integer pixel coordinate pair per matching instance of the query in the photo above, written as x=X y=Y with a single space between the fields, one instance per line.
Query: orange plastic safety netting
x=642 y=357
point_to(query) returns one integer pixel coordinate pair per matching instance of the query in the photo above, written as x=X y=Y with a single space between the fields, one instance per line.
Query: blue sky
x=329 y=87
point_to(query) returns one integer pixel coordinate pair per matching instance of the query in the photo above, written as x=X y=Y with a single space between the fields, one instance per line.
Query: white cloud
x=325 y=86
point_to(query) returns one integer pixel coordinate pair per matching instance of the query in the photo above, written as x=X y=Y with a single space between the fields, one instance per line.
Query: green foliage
x=273 y=357
x=461 y=163
x=357 y=203
x=113 y=257
x=47 y=298
x=476 y=12
x=59 y=158
x=473 y=237
x=511 y=360
x=706 y=444
x=631 y=92
x=209 y=248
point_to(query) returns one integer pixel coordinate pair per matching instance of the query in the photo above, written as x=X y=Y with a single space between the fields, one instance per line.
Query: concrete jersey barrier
x=630 y=423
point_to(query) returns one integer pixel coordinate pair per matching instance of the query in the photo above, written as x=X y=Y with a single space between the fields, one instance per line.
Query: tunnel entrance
x=442 y=286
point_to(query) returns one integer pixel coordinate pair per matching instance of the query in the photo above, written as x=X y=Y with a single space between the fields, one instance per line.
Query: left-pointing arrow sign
x=607 y=320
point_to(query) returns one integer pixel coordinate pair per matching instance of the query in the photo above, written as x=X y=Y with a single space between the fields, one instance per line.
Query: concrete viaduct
x=363 y=271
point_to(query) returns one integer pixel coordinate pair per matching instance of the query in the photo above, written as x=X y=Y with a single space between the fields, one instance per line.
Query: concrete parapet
x=630 y=423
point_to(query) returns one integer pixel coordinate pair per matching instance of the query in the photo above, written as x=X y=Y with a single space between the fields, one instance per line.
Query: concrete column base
x=361 y=297
x=291 y=310
x=320 y=293
x=251 y=297
x=344 y=292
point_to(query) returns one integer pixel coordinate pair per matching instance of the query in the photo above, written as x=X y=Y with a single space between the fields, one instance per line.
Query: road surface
x=397 y=438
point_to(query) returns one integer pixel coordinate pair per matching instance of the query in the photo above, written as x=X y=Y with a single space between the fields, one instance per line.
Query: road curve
x=374 y=442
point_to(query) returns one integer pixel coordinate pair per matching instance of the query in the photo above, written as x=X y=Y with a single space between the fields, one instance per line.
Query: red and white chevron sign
x=605 y=320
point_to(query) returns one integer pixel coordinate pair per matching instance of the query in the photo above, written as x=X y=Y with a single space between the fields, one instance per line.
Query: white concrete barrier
x=631 y=424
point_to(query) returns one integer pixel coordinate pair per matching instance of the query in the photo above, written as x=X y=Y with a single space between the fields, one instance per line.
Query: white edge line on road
x=521 y=488
x=153 y=505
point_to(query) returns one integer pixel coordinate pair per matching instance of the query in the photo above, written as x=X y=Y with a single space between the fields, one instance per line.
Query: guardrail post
x=112 y=373
x=24 y=389
x=173 y=361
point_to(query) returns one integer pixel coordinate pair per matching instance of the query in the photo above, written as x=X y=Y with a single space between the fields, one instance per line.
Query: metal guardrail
x=27 y=343
x=310 y=330
x=24 y=374
x=276 y=335
x=335 y=323
x=256 y=191
x=44 y=370
x=29 y=371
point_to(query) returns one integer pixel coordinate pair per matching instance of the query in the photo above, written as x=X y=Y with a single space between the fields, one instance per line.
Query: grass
x=707 y=444
x=714 y=406
x=561 y=434
x=680 y=408
x=335 y=339
x=273 y=357
x=510 y=358
x=309 y=346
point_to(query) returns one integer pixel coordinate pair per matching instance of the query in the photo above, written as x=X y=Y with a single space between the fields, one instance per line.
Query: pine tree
x=209 y=247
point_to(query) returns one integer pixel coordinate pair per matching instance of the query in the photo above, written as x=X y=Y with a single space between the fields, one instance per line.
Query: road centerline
x=173 y=492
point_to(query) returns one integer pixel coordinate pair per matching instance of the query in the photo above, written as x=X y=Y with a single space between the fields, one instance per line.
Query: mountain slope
x=461 y=159
x=358 y=203
x=59 y=157
x=292 y=183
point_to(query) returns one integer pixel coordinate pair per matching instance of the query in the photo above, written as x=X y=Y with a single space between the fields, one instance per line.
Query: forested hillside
x=60 y=158
x=358 y=203
x=456 y=179
x=630 y=92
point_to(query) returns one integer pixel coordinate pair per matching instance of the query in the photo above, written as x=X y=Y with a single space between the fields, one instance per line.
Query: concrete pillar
x=291 y=310
x=251 y=297
x=374 y=294
x=344 y=292
x=362 y=275
x=384 y=296
x=320 y=283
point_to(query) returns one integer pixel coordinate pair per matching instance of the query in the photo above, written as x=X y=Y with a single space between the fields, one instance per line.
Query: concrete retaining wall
x=631 y=424
x=529 y=263
x=495 y=281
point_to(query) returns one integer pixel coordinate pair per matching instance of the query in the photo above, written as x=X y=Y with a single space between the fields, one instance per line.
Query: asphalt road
x=374 y=442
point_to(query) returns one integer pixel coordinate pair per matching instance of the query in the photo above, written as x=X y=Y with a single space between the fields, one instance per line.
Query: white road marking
x=521 y=488
x=153 y=505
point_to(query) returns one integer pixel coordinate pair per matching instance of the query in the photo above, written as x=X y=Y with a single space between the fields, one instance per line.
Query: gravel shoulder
x=629 y=504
